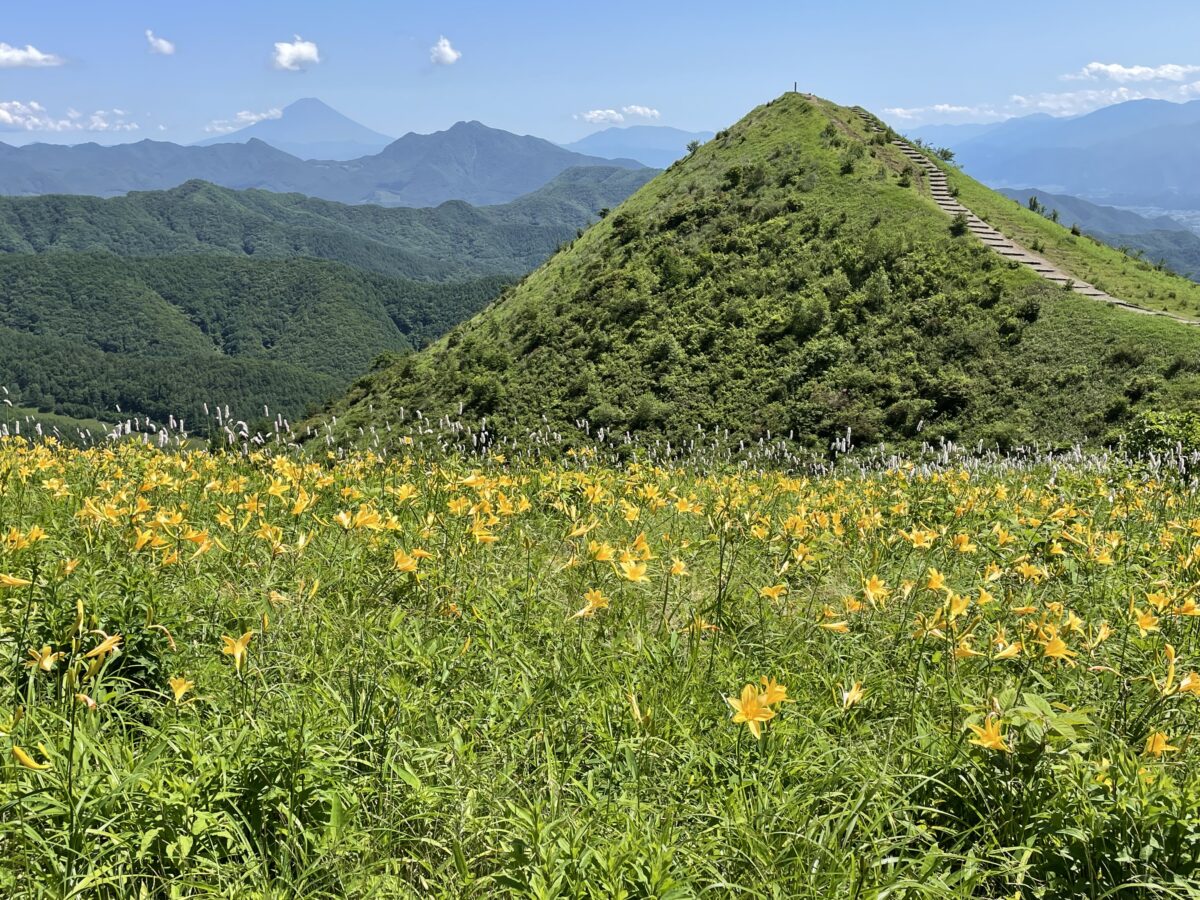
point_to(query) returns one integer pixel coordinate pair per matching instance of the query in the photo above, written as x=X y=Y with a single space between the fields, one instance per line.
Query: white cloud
x=601 y=117
x=16 y=115
x=944 y=111
x=295 y=56
x=641 y=112
x=159 y=45
x=27 y=57
x=109 y=120
x=443 y=53
x=241 y=120
x=1076 y=103
x=1095 y=71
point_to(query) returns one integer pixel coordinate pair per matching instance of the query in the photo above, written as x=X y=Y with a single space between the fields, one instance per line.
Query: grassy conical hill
x=791 y=276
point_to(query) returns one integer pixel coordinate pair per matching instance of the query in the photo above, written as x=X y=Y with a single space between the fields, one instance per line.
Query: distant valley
x=1137 y=153
x=1159 y=239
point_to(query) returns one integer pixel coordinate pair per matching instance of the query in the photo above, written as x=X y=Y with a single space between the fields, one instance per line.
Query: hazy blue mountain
x=309 y=129
x=947 y=135
x=653 y=145
x=469 y=162
x=1139 y=153
x=1160 y=239
x=1093 y=216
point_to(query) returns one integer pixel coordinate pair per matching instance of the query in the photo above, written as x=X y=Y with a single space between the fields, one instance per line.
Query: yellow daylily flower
x=180 y=686
x=236 y=647
x=989 y=736
x=750 y=709
x=28 y=761
x=773 y=692
x=634 y=571
x=1157 y=744
x=852 y=695
x=594 y=600
x=44 y=659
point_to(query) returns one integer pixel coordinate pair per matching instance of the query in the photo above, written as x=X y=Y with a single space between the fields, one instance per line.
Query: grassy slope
x=782 y=279
x=23 y=421
x=1132 y=280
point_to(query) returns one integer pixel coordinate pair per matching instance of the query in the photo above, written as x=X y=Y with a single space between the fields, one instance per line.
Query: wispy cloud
x=616 y=117
x=601 y=117
x=1110 y=83
x=944 y=111
x=244 y=118
x=159 y=45
x=28 y=56
x=295 y=55
x=1095 y=71
x=443 y=53
x=641 y=112
x=16 y=115
x=1075 y=103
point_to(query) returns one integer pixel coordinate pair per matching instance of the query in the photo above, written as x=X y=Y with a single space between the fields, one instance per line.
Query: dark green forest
x=83 y=334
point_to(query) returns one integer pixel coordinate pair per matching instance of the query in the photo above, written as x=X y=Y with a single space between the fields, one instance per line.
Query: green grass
x=459 y=731
x=1135 y=281
x=790 y=277
x=69 y=427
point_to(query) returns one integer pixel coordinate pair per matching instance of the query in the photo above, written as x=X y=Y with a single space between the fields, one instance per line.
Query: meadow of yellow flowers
x=274 y=675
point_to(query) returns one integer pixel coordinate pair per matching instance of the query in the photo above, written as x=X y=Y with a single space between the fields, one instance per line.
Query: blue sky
x=86 y=70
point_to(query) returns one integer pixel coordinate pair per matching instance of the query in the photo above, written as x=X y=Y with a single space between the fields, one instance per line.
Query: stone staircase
x=939 y=189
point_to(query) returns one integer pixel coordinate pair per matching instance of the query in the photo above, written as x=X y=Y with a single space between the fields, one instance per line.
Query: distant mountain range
x=1139 y=153
x=653 y=145
x=309 y=129
x=451 y=241
x=157 y=302
x=1159 y=239
x=468 y=162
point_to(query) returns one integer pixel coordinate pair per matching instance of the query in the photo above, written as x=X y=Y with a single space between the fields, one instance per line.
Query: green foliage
x=802 y=300
x=1162 y=433
x=470 y=720
x=452 y=241
x=89 y=334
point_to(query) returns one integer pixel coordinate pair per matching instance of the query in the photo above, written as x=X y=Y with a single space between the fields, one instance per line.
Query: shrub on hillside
x=1162 y=432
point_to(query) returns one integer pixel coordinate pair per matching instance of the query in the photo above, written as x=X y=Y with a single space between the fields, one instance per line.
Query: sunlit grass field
x=435 y=676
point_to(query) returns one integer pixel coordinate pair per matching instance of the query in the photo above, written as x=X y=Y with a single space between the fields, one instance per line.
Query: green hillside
x=792 y=277
x=451 y=241
x=84 y=334
x=1134 y=280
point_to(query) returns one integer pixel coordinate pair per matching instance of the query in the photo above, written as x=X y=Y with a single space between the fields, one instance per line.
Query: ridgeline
x=795 y=275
